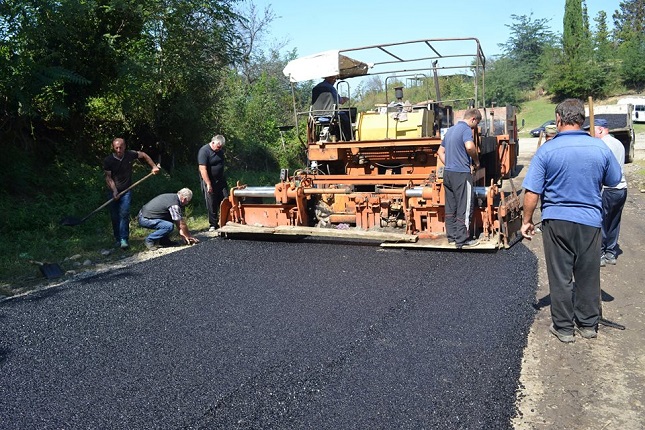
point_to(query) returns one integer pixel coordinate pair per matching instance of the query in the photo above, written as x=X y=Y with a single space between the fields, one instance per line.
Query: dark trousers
x=459 y=206
x=214 y=200
x=345 y=126
x=613 y=201
x=571 y=251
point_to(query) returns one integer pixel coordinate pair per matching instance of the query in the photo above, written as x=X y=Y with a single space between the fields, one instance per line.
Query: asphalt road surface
x=234 y=334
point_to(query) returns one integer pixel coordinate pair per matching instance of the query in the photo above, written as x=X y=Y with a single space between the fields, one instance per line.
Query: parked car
x=536 y=131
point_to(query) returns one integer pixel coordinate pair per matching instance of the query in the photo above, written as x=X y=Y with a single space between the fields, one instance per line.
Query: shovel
x=49 y=270
x=74 y=221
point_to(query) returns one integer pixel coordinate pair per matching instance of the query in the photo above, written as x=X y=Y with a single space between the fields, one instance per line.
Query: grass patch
x=534 y=113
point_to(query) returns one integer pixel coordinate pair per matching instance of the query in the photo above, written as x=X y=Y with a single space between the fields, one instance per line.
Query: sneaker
x=587 y=332
x=468 y=244
x=212 y=228
x=566 y=338
x=151 y=245
x=124 y=244
x=603 y=260
x=610 y=259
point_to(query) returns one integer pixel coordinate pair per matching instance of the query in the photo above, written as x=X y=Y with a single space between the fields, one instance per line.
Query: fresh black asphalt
x=233 y=334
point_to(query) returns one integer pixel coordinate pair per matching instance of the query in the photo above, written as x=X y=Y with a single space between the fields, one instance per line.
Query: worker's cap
x=597 y=122
x=551 y=130
x=600 y=122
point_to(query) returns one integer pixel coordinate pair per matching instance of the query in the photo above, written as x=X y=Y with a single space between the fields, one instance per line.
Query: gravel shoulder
x=599 y=383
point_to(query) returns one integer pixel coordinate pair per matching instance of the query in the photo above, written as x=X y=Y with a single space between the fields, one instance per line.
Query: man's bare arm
x=471 y=148
x=146 y=157
x=530 y=203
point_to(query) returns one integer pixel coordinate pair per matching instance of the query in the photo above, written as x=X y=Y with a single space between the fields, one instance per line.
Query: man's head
x=185 y=196
x=118 y=146
x=331 y=79
x=600 y=127
x=217 y=142
x=570 y=113
x=472 y=117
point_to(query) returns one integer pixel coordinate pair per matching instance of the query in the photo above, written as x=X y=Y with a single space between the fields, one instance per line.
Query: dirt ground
x=597 y=383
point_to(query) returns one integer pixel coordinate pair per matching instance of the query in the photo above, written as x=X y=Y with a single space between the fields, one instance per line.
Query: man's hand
x=528 y=230
x=191 y=240
x=473 y=168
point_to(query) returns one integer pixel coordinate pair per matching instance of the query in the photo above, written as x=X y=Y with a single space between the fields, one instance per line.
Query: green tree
x=629 y=32
x=527 y=41
x=502 y=82
x=574 y=35
x=629 y=20
x=602 y=44
x=632 y=69
x=82 y=72
x=576 y=73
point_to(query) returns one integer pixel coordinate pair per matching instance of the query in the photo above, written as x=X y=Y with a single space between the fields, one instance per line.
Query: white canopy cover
x=323 y=64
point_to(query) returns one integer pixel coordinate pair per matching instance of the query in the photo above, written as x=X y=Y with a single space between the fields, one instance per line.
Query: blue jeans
x=161 y=227
x=120 y=214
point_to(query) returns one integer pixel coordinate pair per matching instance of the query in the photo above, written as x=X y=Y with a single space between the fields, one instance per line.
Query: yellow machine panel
x=394 y=125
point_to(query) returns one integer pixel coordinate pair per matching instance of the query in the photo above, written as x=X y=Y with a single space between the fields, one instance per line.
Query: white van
x=638 y=113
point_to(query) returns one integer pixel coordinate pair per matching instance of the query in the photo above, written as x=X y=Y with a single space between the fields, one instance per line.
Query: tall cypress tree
x=573 y=35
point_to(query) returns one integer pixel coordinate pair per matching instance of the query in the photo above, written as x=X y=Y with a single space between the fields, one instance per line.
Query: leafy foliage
x=629 y=20
x=528 y=40
x=145 y=70
x=633 y=64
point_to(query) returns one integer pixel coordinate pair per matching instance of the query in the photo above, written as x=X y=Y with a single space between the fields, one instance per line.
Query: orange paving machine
x=380 y=178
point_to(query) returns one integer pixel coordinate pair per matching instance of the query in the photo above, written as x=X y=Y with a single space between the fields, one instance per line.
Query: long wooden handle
x=118 y=195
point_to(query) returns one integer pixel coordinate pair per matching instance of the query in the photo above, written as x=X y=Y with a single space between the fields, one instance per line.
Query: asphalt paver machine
x=384 y=182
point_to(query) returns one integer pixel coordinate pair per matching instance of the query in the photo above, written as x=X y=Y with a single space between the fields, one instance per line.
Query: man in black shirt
x=118 y=177
x=211 y=171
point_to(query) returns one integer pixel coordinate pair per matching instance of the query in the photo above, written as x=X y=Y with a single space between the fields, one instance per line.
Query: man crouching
x=161 y=214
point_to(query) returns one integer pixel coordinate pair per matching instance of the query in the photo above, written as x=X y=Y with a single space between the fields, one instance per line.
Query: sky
x=313 y=27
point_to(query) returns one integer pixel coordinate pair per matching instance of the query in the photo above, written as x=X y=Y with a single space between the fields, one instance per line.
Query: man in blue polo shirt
x=567 y=174
x=458 y=153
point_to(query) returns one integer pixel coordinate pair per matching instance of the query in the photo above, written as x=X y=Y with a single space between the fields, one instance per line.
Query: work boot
x=468 y=244
x=587 y=332
x=562 y=337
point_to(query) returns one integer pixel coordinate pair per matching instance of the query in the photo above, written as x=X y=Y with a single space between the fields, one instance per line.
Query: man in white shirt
x=613 y=198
